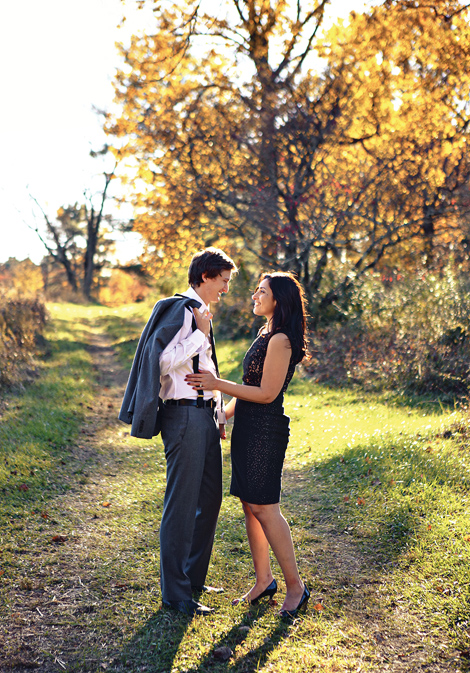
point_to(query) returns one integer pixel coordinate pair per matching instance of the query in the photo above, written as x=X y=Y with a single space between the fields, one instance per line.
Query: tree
x=234 y=125
x=74 y=240
x=427 y=49
x=94 y=220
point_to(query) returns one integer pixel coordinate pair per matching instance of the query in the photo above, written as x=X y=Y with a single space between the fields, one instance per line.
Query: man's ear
x=204 y=277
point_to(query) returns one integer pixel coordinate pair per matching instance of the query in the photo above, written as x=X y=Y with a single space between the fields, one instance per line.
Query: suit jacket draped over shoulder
x=141 y=398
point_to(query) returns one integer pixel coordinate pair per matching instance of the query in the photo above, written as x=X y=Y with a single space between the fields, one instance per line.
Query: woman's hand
x=230 y=408
x=203 y=380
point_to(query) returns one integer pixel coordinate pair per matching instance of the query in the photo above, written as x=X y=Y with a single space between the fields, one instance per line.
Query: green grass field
x=376 y=490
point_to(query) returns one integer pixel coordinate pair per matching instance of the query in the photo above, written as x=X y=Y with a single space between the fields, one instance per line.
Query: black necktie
x=213 y=354
x=200 y=393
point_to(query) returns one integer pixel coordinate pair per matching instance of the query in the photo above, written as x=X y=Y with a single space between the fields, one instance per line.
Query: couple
x=174 y=387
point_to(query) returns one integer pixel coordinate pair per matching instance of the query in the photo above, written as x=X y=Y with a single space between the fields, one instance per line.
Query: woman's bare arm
x=275 y=369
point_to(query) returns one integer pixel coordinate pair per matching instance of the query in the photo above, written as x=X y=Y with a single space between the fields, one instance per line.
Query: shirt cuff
x=221 y=418
x=199 y=340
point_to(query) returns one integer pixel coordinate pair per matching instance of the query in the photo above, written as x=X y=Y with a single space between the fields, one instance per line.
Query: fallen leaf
x=392 y=482
x=106 y=504
x=346 y=498
x=23 y=487
x=120 y=585
x=44 y=515
x=361 y=501
x=429 y=526
x=318 y=607
x=59 y=539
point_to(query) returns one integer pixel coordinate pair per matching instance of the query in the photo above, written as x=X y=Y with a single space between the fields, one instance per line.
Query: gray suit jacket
x=141 y=401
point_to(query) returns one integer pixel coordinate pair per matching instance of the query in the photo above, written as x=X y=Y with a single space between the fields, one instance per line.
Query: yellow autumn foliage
x=253 y=130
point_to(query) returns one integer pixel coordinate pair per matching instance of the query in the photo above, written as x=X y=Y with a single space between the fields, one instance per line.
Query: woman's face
x=264 y=301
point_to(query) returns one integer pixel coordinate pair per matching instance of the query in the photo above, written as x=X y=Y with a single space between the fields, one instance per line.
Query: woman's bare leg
x=277 y=533
x=259 y=548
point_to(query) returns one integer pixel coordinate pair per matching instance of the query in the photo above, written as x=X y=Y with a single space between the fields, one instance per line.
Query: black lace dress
x=260 y=435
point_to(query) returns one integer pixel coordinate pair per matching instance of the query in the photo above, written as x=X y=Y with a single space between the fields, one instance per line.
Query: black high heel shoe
x=269 y=591
x=292 y=614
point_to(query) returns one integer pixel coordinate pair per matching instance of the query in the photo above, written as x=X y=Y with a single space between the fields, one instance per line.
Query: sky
x=57 y=62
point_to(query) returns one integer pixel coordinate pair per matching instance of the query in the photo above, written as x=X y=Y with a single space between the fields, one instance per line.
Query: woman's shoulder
x=280 y=339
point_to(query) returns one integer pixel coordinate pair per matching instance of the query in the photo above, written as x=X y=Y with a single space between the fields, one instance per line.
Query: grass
x=376 y=490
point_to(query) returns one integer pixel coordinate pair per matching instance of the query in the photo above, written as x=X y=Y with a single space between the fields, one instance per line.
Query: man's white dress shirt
x=176 y=360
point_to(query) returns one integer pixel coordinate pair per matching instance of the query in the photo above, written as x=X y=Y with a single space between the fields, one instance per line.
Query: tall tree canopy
x=247 y=123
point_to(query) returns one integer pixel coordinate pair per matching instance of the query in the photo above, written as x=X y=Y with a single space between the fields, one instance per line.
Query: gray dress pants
x=192 y=498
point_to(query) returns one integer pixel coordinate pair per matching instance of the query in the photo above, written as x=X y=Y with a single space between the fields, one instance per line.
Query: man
x=175 y=342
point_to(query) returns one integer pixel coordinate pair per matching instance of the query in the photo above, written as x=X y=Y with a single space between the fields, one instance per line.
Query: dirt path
x=53 y=612
x=49 y=607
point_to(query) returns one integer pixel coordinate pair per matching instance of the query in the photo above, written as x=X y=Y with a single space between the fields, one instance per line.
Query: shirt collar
x=191 y=292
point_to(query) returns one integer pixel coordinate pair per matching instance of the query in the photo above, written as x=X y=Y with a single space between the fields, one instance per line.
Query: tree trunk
x=93 y=230
x=90 y=252
x=428 y=229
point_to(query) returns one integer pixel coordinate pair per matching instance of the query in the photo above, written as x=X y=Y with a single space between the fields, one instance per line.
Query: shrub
x=409 y=333
x=123 y=287
x=21 y=326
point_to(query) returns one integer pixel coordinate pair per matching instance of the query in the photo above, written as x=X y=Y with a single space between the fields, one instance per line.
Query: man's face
x=215 y=287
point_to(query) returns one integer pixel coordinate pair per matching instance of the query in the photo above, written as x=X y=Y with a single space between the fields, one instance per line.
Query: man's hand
x=223 y=434
x=203 y=321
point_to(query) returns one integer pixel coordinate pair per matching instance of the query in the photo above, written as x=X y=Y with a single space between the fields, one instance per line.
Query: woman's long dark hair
x=290 y=315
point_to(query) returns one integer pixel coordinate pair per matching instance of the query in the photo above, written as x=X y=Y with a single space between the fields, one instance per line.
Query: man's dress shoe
x=199 y=589
x=189 y=607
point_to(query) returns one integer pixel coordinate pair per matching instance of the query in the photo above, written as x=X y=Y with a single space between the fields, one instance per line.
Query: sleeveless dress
x=260 y=435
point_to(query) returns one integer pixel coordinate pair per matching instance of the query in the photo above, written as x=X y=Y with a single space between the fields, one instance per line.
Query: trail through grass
x=376 y=490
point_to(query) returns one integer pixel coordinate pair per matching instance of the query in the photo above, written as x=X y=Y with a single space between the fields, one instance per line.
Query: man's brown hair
x=210 y=261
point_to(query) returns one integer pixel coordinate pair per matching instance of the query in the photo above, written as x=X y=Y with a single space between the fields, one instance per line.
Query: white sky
x=57 y=61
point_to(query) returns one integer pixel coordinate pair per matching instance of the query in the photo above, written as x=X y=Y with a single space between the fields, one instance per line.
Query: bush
x=21 y=326
x=123 y=287
x=411 y=334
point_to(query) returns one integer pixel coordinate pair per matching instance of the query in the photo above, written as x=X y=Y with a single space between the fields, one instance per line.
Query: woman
x=261 y=433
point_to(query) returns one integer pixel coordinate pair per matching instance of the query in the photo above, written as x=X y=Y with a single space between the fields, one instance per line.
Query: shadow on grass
x=155 y=647
x=388 y=511
x=393 y=490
